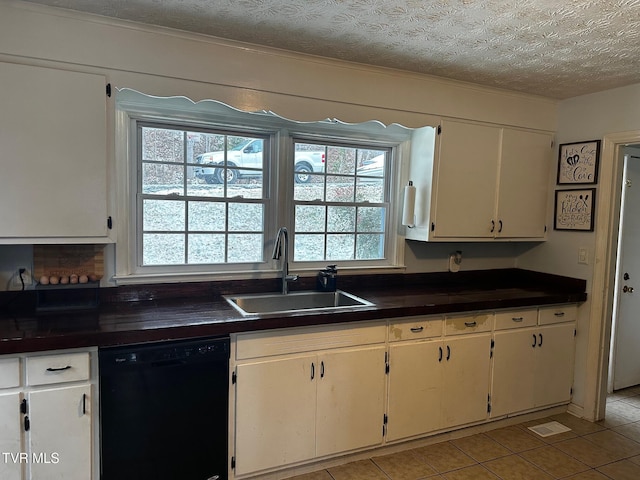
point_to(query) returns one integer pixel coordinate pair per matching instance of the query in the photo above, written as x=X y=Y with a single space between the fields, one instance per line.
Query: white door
x=275 y=413
x=10 y=434
x=626 y=367
x=60 y=433
x=350 y=400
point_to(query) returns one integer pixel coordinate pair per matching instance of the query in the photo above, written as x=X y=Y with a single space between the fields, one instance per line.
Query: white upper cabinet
x=53 y=152
x=485 y=183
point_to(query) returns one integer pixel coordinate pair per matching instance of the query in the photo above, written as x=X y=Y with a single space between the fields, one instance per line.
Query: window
x=209 y=186
x=194 y=206
x=341 y=202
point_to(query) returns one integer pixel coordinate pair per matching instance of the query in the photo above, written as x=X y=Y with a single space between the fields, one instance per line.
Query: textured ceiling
x=553 y=48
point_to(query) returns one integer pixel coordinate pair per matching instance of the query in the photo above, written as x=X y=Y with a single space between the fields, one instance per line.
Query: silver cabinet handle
x=471 y=324
x=517 y=319
x=51 y=369
x=417 y=329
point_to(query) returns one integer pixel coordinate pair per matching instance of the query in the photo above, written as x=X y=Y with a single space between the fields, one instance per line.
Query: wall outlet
x=583 y=255
x=26 y=277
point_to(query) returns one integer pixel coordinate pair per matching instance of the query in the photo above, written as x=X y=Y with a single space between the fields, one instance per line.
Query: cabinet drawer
x=66 y=367
x=558 y=314
x=9 y=372
x=472 y=323
x=410 y=328
x=516 y=319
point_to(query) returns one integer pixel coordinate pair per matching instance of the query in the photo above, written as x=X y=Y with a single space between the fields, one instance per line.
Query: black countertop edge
x=167 y=320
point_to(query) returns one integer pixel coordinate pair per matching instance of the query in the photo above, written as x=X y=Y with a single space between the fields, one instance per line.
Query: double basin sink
x=307 y=301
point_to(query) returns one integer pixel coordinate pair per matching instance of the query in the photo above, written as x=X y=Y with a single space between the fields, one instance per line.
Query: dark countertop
x=168 y=312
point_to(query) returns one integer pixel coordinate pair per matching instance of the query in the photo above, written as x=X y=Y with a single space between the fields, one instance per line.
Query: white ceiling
x=554 y=48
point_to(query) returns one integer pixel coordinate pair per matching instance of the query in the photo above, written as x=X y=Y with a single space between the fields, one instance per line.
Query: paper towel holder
x=408 y=206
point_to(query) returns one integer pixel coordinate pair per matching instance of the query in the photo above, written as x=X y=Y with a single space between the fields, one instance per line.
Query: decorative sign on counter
x=574 y=209
x=578 y=163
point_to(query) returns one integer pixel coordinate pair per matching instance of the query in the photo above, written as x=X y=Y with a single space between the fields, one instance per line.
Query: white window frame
x=181 y=113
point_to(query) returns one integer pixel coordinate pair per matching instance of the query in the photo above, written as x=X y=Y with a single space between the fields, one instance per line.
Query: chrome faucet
x=283 y=238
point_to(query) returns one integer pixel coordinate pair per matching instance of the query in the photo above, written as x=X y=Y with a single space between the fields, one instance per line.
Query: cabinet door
x=275 y=413
x=53 y=149
x=554 y=365
x=465 y=379
x=513 y=371
x=524 y=184
x=60 y=437
x=350 y=409
x=465 y=187
x=415 y=388
x=10 y=434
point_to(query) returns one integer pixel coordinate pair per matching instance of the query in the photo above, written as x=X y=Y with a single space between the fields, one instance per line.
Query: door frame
x=607 y=218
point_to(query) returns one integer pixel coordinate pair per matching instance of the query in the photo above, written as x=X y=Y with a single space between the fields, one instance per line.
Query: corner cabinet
x=41 y=397
x=53 y=150
x=486 y=182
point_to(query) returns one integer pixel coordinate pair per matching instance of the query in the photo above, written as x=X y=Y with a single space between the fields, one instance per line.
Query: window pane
x=371 y=190
x=206 y=248
x=162 y=215
x=245 y=217
x=309 y=218
x=162 y=145
x=162 y=249
x=370 y=247
x=341 y=219
x=308 y=248
x=245 y=248
x=341 y=160
x=206 y=216
x=371 y=219
x=162 y=179
x=372 y=163
x=200 y=143
x=340 y=189
x=248 y=185
x=312 y=190
x=340 y=247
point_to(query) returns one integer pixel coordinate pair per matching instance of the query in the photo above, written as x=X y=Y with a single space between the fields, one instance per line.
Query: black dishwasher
x=163 y=410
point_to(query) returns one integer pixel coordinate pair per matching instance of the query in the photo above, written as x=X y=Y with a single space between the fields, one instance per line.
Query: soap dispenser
x=328 y=279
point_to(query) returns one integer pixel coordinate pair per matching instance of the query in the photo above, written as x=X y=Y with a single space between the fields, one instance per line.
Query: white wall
x=587 y=117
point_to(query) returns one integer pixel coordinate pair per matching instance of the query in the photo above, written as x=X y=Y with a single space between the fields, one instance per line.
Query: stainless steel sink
x=272 y=303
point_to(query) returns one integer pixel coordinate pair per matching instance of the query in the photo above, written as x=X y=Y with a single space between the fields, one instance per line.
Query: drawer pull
x=417 y=329
x=440 y=357
x=50 y=369
x=559 y=314
x=448 y=352
x=471 y=324
x=534 y=341
x=540 y=343
x=517 y=319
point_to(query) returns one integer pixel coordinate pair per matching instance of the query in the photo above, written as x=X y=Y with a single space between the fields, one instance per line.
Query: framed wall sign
x=578 y=163
x=574 y=209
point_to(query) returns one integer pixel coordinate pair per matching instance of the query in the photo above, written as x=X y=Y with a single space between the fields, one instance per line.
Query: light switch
x=583 y=255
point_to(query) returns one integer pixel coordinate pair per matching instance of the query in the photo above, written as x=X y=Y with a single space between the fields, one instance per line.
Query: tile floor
x=590 y=451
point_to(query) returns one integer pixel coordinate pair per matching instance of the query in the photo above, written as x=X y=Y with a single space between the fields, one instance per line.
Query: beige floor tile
x=514 y=467
x=588 y=452
x=444 y=457
x=612 y=441
x=632 y=400
x=404 y=466
x=623 y=410
x=515 y=439
x=577 y=425
x=588 y=475
x=630 y=430
x=612 y=420
x=481 y=447
x=622 y=470
x=554 y=462
x=476 y=472
x=362 y=470
x=635 y=459
x=321 y=475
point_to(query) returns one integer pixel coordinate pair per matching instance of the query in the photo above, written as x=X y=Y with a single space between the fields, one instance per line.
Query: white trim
x=607 y=220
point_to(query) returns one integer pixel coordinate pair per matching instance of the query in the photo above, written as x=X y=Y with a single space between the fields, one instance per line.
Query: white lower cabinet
x=46 y=420
x=299 y=407
x=437 y=384
x=533 y=366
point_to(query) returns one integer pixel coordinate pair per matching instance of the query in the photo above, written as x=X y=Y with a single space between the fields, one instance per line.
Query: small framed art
x=574 y=209
x=578 y=163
